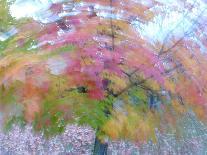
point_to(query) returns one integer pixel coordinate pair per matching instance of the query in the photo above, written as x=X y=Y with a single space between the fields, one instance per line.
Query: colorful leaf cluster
x=95 y=69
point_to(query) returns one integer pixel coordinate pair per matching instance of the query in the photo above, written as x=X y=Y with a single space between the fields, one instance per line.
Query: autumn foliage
x=99 y=71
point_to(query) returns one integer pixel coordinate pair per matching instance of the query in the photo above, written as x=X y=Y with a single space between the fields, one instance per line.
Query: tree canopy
x=125 y=68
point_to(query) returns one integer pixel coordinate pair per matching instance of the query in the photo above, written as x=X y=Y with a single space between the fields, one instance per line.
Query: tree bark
x=100 y=148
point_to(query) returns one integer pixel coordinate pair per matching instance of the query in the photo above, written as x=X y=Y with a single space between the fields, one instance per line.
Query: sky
x=36 y=9
x=175 y=20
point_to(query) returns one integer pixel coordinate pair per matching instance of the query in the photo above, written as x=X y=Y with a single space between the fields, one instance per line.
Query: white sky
x=36 y=9
x=175 y=20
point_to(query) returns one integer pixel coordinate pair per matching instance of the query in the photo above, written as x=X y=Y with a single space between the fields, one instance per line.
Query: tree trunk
x=100 y=148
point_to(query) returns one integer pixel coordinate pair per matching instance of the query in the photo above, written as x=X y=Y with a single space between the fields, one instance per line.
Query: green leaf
x=19 y=120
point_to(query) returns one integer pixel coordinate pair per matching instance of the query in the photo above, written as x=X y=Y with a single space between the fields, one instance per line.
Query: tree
x=94 y=68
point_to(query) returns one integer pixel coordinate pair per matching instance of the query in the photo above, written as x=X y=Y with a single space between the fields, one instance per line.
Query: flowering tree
x=92 y=66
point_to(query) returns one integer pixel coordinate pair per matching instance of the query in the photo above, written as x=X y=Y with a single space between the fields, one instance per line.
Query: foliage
x=111 y=77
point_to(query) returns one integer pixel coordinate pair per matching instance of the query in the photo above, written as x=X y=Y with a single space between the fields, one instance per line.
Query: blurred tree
x=94 y=68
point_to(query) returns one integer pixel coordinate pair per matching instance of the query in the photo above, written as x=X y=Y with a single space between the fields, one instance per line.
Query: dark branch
x=111 y=25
